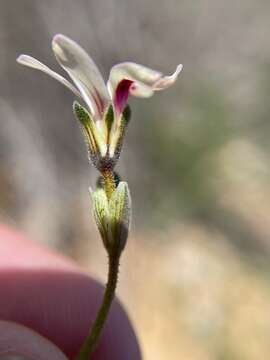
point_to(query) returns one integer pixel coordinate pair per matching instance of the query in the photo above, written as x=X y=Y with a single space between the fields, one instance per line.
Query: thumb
x=53 y=297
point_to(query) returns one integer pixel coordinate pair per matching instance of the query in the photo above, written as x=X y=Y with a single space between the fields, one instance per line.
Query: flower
x=106 y=115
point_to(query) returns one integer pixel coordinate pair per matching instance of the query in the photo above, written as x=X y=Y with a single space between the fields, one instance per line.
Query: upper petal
x=35 y=64
x=144 y=80
x=167 y=81
x=83 y=72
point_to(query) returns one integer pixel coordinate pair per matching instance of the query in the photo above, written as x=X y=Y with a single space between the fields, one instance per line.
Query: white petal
x=35 y=64
x=143 y=77
x=83 y=72
x=145 y=80
x=168 y=81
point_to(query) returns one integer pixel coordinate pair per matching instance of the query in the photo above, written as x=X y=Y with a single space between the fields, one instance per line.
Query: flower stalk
x=90 y=342
x=109 y=182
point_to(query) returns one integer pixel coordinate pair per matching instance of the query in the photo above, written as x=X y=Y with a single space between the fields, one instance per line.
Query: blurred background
x=195 y=277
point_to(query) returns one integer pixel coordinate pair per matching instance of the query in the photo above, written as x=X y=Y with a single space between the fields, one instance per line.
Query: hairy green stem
x=91 y=341
x=109 y=184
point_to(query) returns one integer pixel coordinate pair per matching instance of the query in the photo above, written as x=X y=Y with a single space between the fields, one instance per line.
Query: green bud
x=113 y=217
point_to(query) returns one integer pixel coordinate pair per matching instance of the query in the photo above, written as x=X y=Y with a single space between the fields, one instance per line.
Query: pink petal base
x=121 y=95
x=18 y=340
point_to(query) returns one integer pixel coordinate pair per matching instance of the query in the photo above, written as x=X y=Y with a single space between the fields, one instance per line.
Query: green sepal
x=82 y=114
x=87 y=126
x=120 y=214
x=109 y=119
x=117 y=134
x=126 y=114
x=96 y=142
x=101 y=214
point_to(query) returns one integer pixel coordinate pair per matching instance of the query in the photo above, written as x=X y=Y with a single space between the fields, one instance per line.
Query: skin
x=46 y=298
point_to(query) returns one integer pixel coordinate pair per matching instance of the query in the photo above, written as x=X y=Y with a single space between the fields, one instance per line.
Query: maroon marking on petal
x=121 y=95
x=99 y=103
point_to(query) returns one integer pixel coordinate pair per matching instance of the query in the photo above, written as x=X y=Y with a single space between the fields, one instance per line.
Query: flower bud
x=113 y=216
